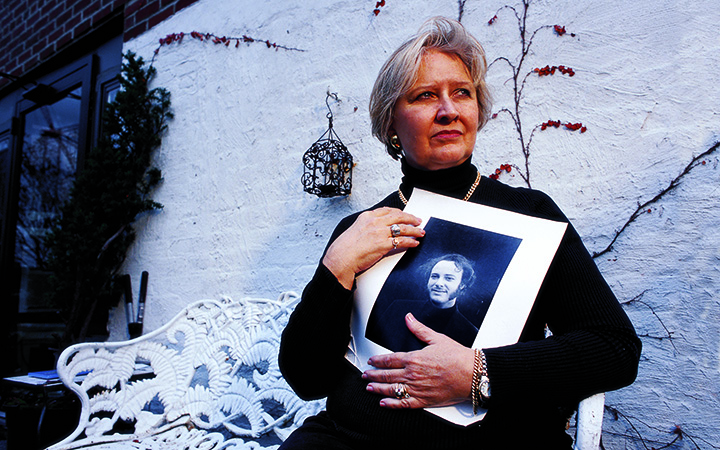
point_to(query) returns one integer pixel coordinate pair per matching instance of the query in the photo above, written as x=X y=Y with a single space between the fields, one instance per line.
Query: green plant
x=89 y=243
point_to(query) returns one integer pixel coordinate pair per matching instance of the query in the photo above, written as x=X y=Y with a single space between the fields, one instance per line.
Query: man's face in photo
x=444 y=283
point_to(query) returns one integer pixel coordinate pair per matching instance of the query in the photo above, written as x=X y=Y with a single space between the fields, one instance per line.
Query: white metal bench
x=213 y=384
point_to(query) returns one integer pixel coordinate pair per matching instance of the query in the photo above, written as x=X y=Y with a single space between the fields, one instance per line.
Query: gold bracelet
x=475 y=388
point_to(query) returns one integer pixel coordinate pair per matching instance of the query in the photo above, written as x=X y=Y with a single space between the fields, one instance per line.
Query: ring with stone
x=401 y=391
x=395 y=230
x=395 y=242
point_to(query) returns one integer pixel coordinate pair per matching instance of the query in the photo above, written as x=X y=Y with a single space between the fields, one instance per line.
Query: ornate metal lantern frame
x=328 y=163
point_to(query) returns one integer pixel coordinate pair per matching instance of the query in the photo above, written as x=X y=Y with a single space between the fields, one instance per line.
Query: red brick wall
x=141 y=15
x=33 y=30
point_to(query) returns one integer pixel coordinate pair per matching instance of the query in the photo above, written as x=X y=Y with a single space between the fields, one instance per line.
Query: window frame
x=80 y=73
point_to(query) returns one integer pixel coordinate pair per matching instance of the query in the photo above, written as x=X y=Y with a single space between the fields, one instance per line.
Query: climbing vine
x=227 y=41
x=644 y=208
x=676 y=432
x=519 y=79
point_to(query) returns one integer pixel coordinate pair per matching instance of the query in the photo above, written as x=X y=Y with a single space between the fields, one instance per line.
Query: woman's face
x=437 y=120
x=444 y=283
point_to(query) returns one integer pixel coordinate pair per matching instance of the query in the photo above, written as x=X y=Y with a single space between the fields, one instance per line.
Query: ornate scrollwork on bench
x=208 y=379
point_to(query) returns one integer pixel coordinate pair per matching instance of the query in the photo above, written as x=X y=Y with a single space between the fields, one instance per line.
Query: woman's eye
x=424 y=95
x=464 y=92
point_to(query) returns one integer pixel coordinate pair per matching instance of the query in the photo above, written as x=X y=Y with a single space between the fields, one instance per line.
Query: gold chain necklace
x=466 y=198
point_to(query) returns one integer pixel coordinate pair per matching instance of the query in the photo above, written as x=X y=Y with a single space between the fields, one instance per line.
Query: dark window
x=4 y=181
x=56 y=120
x=50 y=148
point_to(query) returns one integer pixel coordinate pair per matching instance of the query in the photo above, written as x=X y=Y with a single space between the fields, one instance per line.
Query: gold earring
x=395 y=142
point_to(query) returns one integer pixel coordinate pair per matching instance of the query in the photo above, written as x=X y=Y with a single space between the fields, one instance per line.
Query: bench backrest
x=213 y=367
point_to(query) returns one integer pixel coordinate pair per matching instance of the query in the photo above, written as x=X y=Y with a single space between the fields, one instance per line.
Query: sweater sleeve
x=314 y=342
x=593 y=347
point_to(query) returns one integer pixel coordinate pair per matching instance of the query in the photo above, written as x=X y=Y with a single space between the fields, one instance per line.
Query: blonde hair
x=400 y=72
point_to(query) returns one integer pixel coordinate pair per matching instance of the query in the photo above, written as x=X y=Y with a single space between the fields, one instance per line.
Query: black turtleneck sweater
x=534 y=383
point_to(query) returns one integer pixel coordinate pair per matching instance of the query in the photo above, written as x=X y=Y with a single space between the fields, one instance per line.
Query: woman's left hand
x=440 y=374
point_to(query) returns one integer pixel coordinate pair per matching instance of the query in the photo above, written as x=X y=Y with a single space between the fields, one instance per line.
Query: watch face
x=485 y=387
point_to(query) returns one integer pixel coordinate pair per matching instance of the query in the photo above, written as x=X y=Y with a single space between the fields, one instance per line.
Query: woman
x=427 y=105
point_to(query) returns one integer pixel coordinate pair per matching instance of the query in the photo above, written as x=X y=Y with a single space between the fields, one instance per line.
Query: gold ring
x=401 y=391
x=395 y=242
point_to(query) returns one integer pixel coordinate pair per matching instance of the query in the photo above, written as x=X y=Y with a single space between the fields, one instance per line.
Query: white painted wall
x=236 y=221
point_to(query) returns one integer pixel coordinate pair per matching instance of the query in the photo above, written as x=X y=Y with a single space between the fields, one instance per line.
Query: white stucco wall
x=236 y=221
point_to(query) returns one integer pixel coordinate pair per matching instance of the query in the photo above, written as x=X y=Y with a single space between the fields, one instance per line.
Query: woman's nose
x=447 y=110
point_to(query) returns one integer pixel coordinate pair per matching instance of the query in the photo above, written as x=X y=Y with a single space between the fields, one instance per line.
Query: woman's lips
x=447 y=134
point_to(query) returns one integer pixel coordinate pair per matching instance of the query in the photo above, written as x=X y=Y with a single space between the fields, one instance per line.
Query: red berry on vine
x=503 y=167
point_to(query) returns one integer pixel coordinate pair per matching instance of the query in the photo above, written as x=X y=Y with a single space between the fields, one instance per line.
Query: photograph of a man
x=447 y=278
x=441 y=286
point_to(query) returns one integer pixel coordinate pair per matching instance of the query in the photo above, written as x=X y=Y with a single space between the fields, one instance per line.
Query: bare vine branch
x=677 y=431
x=643 y=208
x=669 y=336
x=461 y=9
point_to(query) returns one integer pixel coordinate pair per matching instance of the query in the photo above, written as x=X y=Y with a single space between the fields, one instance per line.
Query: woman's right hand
x=368 y=240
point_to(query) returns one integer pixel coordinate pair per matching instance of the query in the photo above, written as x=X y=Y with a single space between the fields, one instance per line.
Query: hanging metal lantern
x=328 y=164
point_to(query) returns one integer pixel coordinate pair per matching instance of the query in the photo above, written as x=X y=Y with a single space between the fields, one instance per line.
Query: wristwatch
x=484 y=388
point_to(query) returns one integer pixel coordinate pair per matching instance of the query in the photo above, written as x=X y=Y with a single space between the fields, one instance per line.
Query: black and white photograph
x=447 y=283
